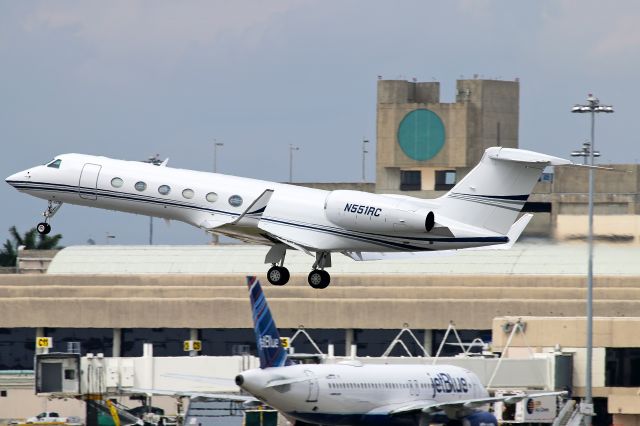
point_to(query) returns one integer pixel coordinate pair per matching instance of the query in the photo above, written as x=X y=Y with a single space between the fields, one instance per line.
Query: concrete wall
x=609 y=331
x=193 y=301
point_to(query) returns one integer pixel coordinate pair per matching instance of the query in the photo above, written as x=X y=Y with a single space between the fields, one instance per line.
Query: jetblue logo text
x=444 y=383
x=365 y=210
x=268 y=342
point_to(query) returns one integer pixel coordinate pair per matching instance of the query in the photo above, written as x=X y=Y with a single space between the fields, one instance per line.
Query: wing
x=431 y=406
x=216 y=381
x=224 y=396
x=514 y=233
x=254 y=210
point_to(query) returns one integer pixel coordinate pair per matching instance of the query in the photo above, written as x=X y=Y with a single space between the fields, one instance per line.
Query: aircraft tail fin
x=270 y=349
x=493 y=193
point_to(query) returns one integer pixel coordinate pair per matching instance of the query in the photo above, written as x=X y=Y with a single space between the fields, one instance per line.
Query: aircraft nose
x=18 y=177
x=11 y=180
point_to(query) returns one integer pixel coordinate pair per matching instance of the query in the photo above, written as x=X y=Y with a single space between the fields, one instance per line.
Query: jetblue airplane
x=480 y=211
x=352 y=393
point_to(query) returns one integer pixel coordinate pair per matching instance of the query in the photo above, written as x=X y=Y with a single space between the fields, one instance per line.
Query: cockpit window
x=55 y=164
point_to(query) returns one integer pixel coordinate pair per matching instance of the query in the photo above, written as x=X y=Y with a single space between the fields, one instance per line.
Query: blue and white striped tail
x=270 y=349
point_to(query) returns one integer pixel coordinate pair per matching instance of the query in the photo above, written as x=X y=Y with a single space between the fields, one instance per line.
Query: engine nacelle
x=360 y=211
x=480 y=418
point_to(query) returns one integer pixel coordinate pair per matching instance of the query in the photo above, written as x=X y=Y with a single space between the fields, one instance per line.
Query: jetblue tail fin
x=492 y=194
x=270 y=349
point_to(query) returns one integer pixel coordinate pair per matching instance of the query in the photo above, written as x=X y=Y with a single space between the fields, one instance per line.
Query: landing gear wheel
x=319 y=279
x=43 y=228
x=278 y=275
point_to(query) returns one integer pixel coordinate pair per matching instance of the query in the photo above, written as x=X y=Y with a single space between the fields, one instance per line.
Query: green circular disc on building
x=421 y=134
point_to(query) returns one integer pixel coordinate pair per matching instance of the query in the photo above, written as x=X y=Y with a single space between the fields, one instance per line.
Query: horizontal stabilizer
x=524 y=156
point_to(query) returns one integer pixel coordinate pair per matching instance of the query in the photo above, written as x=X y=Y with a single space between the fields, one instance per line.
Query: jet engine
x=360 y=211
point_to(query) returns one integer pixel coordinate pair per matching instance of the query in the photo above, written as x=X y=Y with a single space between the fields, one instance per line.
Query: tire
x=319 y=279
x=43 y=228
x=278 y=275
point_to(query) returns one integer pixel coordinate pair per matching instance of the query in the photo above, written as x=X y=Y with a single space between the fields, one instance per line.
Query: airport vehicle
x=352 y=393
x=46 y=417
x=481 y=211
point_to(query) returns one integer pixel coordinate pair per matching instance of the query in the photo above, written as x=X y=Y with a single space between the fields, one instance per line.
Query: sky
x=129 y=79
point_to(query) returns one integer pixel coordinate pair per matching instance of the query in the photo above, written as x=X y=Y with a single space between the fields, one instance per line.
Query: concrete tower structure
x=427 y=145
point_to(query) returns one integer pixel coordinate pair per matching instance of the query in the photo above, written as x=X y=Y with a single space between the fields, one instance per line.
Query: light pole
x=584 y=152
x=291 y=149
x=156 y=161
x=215 y=155
x=364 y=152
x=592 y=106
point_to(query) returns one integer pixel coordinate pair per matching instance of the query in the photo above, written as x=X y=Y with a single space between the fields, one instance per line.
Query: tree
x=31 y=241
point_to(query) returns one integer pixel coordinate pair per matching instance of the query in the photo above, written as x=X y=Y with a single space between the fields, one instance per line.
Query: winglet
x=270 y=349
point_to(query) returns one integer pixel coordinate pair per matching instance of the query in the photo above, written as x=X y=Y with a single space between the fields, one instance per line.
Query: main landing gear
x=44 y=228
x=319 y=278
x=279 y=275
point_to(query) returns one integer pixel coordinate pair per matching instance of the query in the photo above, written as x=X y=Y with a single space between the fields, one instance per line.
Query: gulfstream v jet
x=480 y=211
x=353 y=393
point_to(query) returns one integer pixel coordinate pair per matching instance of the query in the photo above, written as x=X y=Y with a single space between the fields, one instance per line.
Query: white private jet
x=480 y=211
x=353 y=393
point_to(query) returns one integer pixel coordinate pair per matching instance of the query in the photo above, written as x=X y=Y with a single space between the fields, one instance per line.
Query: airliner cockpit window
x=55 y=164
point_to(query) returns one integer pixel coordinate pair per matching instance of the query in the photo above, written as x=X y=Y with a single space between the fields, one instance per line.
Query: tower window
x=445 y=180
x=410 y=180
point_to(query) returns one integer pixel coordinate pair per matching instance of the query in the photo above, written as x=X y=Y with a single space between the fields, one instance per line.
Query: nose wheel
x=43 y=228
x=278 y=275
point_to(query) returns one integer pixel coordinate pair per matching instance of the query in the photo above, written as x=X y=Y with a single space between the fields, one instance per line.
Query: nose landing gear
x=44 y=228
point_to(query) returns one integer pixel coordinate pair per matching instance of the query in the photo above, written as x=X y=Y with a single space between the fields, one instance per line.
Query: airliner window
x=164 y=189
x=55 y=164
x=235 y=200
x=116 y=182
x=212 y=197
x=140 y=186
x=187 y=193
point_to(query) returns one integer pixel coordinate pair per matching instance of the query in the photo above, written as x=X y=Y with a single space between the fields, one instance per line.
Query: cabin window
x=212 y=197
x=55 y=164
x=188 y=193
x=116 y=182
x=140 y=186
x=235 y=200
x=164 y=189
